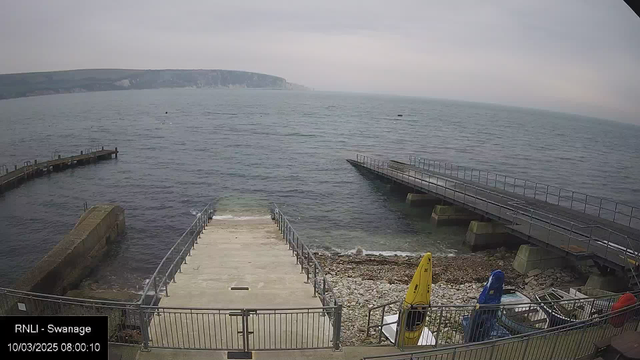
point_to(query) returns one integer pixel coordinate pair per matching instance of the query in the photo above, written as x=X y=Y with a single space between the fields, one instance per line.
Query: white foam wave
x=231 y=217
x=393 y=253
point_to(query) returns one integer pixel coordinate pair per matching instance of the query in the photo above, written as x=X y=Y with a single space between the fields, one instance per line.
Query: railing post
x=302 y=258
x=315 y=279
x=324 y=290
x=570 y=233
x=144 y=328
x=337 y=327
x=546 y=195
x=615 y=211
x=308 y=270
x=600 y=209
x=384 y=308
x=439 y=328
x=571 y=205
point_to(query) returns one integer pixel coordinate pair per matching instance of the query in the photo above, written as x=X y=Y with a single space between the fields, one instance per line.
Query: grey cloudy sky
x=579 y=56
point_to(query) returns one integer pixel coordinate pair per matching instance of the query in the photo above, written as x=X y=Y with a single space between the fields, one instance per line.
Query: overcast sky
x=579 y=56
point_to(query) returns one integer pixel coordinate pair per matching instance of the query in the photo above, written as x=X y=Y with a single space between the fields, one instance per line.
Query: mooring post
x=116 y=152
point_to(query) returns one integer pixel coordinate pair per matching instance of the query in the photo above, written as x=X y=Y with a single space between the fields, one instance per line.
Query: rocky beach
x=365 y=281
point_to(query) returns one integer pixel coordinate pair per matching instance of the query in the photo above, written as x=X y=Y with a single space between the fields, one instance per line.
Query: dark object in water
x=399 y=115
x=166 y=112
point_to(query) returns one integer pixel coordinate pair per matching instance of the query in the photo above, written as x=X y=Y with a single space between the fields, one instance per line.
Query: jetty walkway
x=566 y=222
x=10 y=179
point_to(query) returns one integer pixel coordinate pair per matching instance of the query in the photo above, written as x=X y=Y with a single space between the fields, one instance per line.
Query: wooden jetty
x=12 y=179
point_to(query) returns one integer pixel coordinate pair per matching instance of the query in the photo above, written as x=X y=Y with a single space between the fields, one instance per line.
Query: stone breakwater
x=364 y=281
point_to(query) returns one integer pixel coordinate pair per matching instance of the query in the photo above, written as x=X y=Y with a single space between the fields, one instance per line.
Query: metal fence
x=125 y=320
x=570 y=341
x=242 y=329
x=593 y=205
x=535 y=225
x=174 y=259
x=452 y=324
x=304 y=257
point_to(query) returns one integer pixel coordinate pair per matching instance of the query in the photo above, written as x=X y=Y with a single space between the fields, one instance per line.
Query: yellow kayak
x=417 y=300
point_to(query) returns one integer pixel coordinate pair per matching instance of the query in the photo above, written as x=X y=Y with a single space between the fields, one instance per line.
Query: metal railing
x=608 y=209
x=313 y=271
x=241 y=329
x=304 y=257
x=125 y=322
x=175 y=258
x=563 y=233
x=445 y=326
x=570 y=341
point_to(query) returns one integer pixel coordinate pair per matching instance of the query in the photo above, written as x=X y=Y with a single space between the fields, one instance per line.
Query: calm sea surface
x=247 y=148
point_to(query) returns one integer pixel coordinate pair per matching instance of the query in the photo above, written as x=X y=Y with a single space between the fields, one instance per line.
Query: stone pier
x=452 y=215
x=68 y=263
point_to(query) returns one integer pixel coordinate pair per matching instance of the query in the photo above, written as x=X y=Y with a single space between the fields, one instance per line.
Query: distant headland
x=85 y=80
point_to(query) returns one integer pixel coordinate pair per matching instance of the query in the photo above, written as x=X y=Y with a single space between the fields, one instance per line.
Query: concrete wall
x=69 y=262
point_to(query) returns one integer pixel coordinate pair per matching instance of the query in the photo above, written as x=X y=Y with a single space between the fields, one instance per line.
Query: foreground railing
x=571 y=341
x=125 y=320
x=242 y=329
x=593 y=205
x=445 y=322
x=191 y=328
x=560 y=232
x=175 y=258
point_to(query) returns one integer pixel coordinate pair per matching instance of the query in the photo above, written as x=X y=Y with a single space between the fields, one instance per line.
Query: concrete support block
x=606 y=282
x=486 y=235
x=531 y=257
x=422 y=200
x=452 y=215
